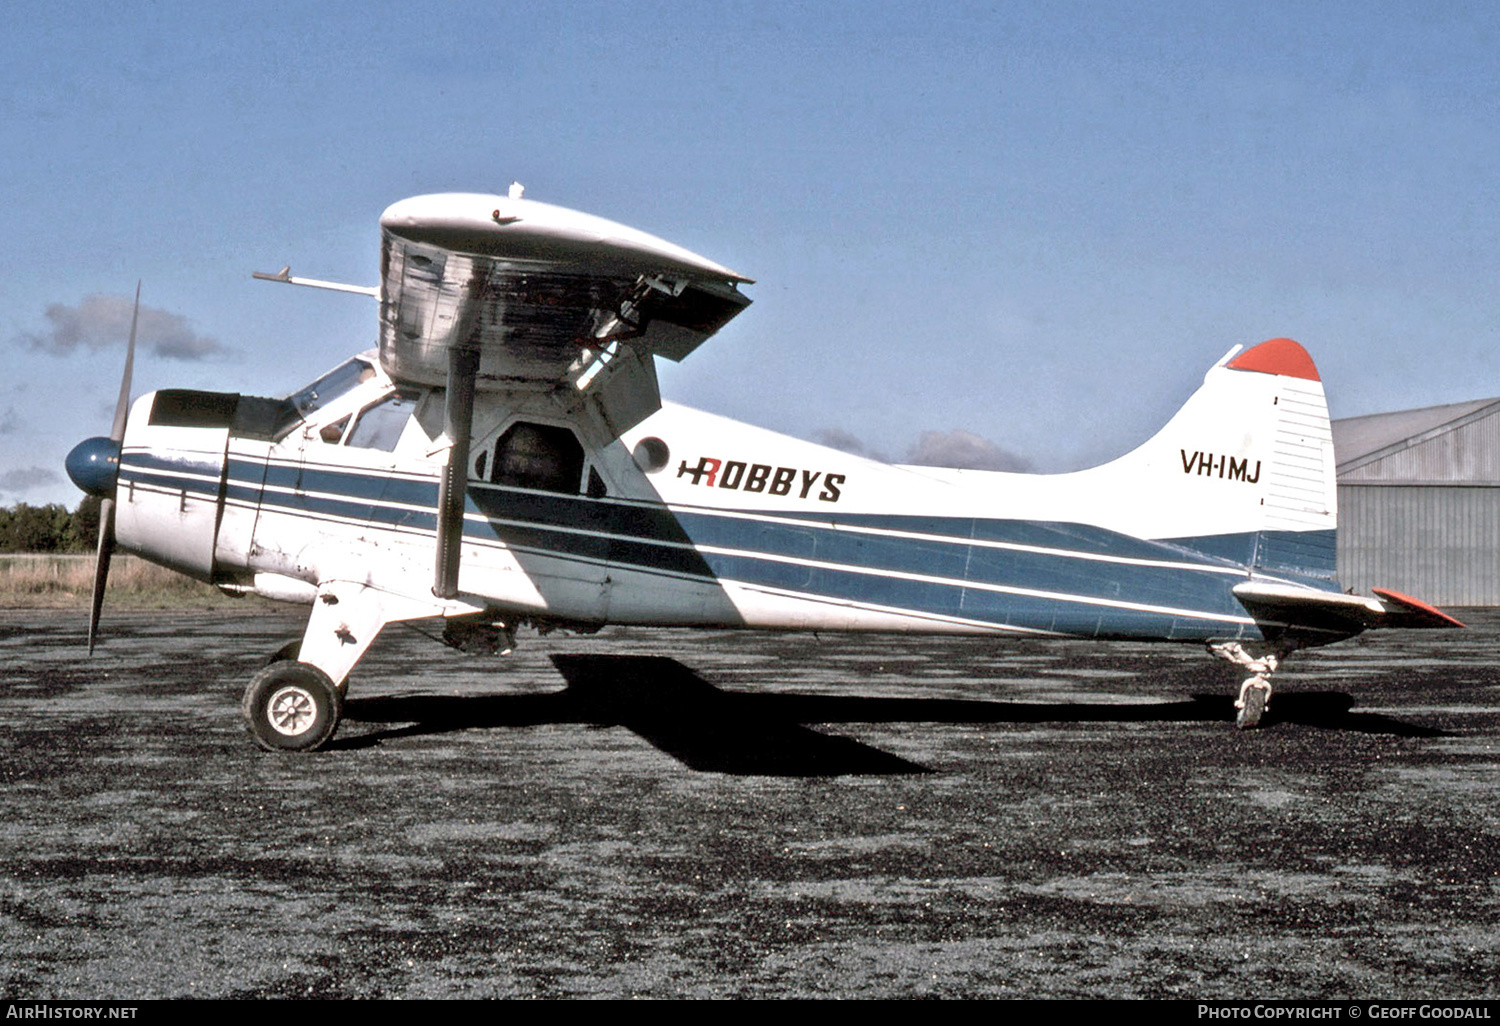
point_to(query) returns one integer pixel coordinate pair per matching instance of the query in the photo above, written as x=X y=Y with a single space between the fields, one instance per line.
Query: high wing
x=545 y=297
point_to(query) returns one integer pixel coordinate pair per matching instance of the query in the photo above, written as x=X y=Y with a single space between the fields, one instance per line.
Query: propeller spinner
x=94 y=466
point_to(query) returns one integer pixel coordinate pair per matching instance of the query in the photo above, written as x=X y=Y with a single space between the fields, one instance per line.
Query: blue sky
x=1036 y=222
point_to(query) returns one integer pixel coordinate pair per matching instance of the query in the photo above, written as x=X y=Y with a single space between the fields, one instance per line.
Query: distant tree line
x=50 y=528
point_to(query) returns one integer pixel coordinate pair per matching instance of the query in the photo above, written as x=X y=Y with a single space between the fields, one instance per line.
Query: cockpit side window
x=330 y=386
x=379 y=425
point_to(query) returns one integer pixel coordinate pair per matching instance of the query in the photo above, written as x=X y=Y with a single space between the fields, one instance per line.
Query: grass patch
x=59 y=582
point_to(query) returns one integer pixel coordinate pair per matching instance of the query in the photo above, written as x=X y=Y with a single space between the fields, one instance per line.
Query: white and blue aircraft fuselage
x=504 y=458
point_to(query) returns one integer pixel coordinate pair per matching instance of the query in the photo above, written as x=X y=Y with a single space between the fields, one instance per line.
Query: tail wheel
x=292 y=707
x=1255 y=695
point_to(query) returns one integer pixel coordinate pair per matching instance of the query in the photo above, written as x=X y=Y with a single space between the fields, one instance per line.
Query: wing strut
x=458 y=422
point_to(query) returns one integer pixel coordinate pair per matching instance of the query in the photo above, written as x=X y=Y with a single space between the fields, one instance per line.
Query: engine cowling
x=170 y=489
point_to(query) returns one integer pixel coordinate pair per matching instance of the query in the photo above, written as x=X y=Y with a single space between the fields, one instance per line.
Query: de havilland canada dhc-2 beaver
x=503 y=457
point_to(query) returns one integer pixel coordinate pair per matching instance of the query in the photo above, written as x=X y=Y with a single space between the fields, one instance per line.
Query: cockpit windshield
x=332 y=385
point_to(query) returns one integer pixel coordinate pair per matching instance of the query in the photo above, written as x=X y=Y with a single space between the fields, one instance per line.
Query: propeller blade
x=107 y=506
x=122 y=406
x=101 y=566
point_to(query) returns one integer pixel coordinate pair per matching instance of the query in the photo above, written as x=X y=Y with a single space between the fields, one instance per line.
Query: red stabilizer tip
x=1415 y=604
x=1278 y=356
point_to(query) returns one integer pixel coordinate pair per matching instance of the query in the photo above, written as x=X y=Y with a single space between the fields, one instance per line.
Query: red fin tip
x=1277 y=356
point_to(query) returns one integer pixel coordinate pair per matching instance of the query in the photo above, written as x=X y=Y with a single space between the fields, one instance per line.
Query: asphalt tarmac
x=712 y=814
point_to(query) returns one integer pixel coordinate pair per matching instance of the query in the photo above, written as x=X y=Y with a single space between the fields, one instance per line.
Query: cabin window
x=268 y=420
x=540 y=456
x=330 y=386
x=379 y=425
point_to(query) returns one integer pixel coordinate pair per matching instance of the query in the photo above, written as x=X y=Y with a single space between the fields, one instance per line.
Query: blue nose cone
x=94 y=464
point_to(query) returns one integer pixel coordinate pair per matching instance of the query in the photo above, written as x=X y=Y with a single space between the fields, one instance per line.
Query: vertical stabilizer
x=1244 y=470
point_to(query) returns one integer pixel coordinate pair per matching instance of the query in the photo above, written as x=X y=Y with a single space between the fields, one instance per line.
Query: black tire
x=292 y=707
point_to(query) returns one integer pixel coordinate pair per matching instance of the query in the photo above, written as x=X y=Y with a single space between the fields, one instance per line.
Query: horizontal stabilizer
x=1328 y=611
x=1336 y=612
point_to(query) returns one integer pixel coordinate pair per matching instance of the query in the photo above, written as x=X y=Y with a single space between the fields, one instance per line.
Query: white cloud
x=844 y=441
x=965 y=451
x=26 y=478
x=962 y=450
x=102 y=322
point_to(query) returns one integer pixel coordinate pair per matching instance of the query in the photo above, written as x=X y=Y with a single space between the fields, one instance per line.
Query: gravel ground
x=715 y=814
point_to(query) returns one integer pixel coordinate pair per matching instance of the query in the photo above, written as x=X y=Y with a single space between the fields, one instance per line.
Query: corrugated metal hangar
x=1419 y=502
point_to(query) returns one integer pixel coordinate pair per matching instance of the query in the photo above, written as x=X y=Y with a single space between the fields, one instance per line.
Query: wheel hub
x=291 y=711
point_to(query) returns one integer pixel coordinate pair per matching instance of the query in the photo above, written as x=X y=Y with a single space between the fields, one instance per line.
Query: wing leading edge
x=547 y=297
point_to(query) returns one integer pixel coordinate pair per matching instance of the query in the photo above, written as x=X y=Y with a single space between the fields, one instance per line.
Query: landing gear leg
x=1255 y=692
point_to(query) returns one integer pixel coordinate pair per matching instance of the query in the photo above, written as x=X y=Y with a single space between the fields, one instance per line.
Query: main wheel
x=292 y=707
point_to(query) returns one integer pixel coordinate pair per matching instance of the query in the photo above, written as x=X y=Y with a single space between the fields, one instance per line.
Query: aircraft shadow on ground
x=706 y=728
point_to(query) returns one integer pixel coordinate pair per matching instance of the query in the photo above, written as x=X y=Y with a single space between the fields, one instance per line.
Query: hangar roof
x=1454 y=444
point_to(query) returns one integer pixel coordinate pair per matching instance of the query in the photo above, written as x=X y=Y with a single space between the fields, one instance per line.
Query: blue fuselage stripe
x=200 y=477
